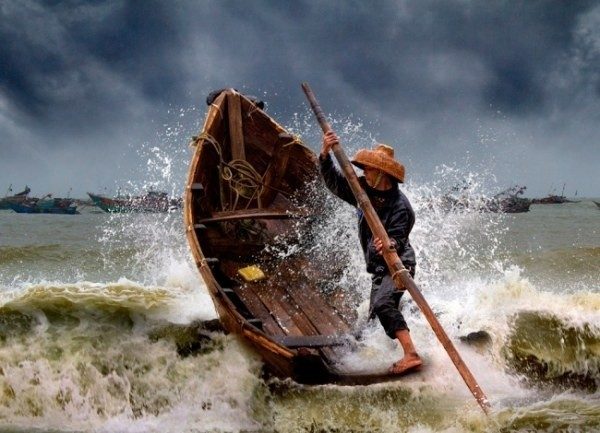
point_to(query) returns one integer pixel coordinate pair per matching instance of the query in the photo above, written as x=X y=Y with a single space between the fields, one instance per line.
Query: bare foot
x=412 y=361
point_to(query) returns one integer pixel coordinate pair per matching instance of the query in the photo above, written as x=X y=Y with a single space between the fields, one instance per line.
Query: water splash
x=153 y=247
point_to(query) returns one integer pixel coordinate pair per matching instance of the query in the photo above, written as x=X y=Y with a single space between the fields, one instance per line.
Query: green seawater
x=102 y=328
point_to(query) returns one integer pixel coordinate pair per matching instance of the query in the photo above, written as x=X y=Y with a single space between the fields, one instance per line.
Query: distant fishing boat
x=249 y=188
x=553 y=199
x=45 y=205
x=153 y=201
x=508 y=201
x=108 y=204
x=5 y=203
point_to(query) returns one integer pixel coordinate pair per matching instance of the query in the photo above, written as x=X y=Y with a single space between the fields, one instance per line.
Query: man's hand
x=378 y=244
x=329 y=140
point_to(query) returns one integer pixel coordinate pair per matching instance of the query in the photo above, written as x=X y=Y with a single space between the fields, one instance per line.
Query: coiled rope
x=243 y=179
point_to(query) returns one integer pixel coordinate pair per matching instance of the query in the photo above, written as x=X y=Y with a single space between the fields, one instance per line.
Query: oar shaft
x=401 y=277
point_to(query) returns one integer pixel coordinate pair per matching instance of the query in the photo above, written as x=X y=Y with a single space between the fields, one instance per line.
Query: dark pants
x=385 y=298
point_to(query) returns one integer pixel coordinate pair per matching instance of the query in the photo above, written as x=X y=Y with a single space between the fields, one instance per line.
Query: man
x=382 y=173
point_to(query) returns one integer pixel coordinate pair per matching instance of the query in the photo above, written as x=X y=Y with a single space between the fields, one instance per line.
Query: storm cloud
x=512 y=85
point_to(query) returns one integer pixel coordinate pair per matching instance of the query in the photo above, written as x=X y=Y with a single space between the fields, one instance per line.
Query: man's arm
x=335 y=181
x=397 y=230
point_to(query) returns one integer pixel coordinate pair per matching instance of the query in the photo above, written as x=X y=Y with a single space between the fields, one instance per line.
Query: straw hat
x=381 y=158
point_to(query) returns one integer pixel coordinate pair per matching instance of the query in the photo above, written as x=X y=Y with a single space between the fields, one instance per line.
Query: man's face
x=371 y=176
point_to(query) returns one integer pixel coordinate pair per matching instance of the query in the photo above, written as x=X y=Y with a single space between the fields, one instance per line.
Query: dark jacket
x=393 y=208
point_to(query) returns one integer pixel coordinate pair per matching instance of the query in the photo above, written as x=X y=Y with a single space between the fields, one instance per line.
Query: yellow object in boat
x=251 y=273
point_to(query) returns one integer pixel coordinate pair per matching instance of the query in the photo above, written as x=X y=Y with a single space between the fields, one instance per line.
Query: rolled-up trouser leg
x=385 y=298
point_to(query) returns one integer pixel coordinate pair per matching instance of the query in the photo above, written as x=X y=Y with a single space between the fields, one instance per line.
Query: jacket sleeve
x=335 y=181
x=398 y=228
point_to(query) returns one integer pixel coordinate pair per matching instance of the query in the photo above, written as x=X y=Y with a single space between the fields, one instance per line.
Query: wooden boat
x=597 y=203
x=250 y=185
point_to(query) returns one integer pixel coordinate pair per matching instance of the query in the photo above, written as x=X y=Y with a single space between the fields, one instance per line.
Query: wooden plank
x=281 y=304
x=279 y=311
x=275 y=318
x=251 y=300
x=344 y=304
x=308 y=298
x=322 y=316
x=263 y=343
x=277 y=168
x=286 y=311
x=258 y=309
x=297 y=314
x=260 y=140
x=236 y=132
x=300 y=315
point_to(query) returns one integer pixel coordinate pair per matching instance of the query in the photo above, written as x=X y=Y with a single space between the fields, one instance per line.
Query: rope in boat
x=243 y=179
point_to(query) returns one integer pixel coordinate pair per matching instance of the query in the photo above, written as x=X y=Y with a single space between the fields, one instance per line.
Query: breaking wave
x=87 y=354
x=549 y=349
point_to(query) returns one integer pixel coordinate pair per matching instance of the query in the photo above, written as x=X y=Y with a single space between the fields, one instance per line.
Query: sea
x=106 y=326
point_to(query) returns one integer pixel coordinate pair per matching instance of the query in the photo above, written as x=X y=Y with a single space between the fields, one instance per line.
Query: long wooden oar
x=399 y=273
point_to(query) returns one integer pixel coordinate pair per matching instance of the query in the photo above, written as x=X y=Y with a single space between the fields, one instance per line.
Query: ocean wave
x=568 y=263
x=562 y=413
x=548 y=349
x=87 y=301
x=24 y=264
x=539 y=335
x=118 y=381
x=78 y=356
x=61 y=303
x=32 y=253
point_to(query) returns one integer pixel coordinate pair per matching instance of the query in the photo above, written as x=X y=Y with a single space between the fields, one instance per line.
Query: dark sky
x=98 y=93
